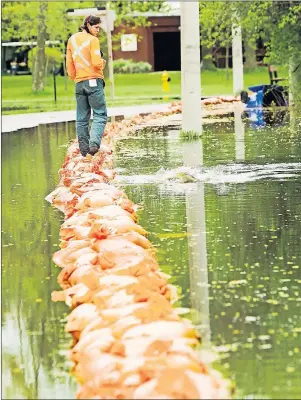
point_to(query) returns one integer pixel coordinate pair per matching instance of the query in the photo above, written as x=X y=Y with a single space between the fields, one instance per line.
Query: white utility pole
x=190 y=67
x=237 y=60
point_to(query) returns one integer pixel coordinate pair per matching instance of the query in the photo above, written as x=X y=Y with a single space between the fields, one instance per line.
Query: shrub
x=52 y=55
x=122 y=66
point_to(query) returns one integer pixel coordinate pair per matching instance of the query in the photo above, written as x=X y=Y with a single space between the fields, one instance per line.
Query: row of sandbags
x=129 y=342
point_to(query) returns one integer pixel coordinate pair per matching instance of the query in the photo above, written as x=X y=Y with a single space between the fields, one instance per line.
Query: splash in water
x=220 y=174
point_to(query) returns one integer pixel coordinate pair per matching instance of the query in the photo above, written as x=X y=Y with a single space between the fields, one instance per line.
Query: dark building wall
x=147 y=50
x=145 y=46
x=142 y=53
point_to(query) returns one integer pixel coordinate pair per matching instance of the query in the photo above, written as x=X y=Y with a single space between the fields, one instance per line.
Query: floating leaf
x=265 y=346
x=238 y=282
x=272 y=301
x=174 y=235
x=250 y=318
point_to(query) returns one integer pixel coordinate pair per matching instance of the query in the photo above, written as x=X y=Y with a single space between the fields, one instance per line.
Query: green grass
x=131 y=89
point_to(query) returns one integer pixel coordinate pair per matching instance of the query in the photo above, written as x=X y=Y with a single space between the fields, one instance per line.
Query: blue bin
x=256 y=88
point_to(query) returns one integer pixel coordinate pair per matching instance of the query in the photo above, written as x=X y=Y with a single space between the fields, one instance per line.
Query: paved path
x=11 y=123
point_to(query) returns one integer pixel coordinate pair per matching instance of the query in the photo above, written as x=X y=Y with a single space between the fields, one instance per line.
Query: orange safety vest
x=83 y=59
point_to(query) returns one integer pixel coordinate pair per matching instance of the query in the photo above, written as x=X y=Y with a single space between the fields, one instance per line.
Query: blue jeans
x=88 y=98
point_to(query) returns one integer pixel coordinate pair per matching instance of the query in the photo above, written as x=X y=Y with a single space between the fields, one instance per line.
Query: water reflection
x=245 y=244
x=249 y=239
x=33 y=334
x=262 y=117
x=239 y=128
x=197 y=251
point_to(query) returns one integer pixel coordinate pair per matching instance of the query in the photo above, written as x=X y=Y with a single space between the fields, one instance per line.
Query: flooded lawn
x=224 y=213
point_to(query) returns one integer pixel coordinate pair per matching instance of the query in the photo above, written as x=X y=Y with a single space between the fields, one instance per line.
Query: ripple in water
x=230 y=173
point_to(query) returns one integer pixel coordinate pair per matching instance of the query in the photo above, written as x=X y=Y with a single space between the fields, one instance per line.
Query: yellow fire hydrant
x=165 y=79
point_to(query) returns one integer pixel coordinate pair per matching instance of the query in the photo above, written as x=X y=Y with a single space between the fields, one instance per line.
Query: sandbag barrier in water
x=128 y=340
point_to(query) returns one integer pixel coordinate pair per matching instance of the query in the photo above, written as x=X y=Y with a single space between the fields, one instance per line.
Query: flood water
x=229 y=238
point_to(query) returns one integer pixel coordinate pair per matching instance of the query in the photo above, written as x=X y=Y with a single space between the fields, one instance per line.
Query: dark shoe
x=93 y=150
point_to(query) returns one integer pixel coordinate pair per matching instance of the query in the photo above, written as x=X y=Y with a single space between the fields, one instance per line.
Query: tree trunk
x=207 y=59
x=250 y=55
x=65 y=74
x=39 y=68
x=295 y=78
x=46 y=71
x=227 y=61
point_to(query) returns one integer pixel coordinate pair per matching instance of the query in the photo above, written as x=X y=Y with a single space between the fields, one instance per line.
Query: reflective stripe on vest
x=78 y=49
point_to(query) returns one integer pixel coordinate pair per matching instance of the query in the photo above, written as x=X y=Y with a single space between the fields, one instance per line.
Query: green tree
x=278 y=23
x=39 y=21
x=48 y=20
x=40 y=59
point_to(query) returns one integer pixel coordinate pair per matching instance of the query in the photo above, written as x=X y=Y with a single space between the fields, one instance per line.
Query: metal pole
x=54 y=82
x=110 y=53
x=237 y=60
x=190 y=67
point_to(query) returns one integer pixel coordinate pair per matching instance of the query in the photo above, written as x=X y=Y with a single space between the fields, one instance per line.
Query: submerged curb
x=15 y=122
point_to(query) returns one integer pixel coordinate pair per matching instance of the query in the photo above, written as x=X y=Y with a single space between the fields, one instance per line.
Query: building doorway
x=167 y=51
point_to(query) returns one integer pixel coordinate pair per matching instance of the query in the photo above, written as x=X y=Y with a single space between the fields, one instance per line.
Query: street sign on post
x=129 y=42
x=107 y=18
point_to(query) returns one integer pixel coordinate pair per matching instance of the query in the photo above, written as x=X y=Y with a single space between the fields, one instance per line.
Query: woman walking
x=85 y=67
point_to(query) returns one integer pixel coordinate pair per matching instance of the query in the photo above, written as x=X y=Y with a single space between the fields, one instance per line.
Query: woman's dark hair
x=92 y=20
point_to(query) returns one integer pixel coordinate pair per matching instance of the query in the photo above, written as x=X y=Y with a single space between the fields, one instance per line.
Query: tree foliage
x=130 y=14
x=20 y=21
x=53 y=55
x=278 y=23
x=215 y=23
